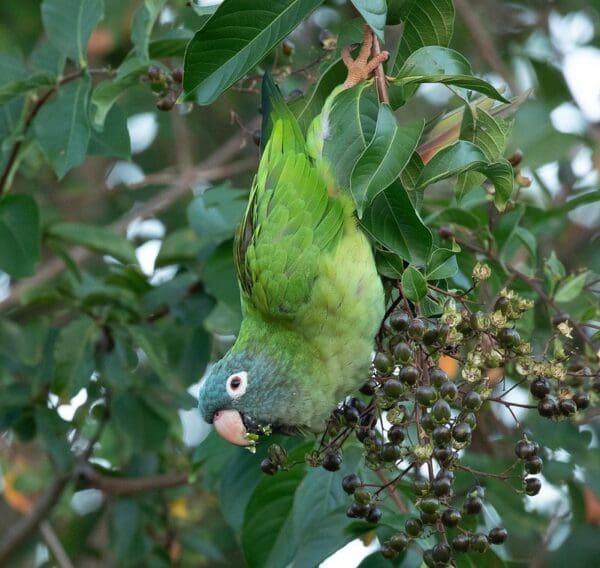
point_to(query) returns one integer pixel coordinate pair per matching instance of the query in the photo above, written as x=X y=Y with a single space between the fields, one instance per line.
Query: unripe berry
x=509 y=337
x=448 y=391
x=382 y=363
x=409 y=375
x=437 y=377
x=413 y=526
x=393 y=388
x=441 y=411
x=426 y=395
x=471 y=401
x=479 y=542
x=399 y=321
x=399 y=542
x=402 y=352
x=416 y=329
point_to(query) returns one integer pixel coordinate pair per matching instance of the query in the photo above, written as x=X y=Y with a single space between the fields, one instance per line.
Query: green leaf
x=74 y=356
x=374 y=12
x=143 y=22
x=442 y=264
x=414 y=284
x=53 y=432
x=501 y=174
x=129 y=544
x=19 y=235
x=171 y=43
x=9 y=91
x=234 y=40
x=114 y=140
x=69 y=24
x=268 y=517
x=179 y=246
x=62 y=127
x=138 y=421
x=384 y=158
x=488 y=132
x=152 y=346
x=450 y=161
x=307 y=107
x=392 y=221
x=426 y=22
x=216 y=213
x=352 y=121
x=571 y=288
x=99 y=239
x=106 y=93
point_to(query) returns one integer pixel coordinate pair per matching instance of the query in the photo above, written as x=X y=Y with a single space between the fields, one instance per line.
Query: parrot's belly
x=342 y=317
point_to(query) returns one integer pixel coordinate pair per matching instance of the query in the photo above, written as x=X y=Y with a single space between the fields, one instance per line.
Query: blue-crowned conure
x=312 y=300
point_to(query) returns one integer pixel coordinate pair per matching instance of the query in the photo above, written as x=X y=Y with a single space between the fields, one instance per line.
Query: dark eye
x=235 y=383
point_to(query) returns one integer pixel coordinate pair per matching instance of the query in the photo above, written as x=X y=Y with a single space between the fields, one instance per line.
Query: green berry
x=413 y=526
x=462 y=432
x=441 y=411
x=402 y=352
x=472 y=401
x=437 y=377
x=399 y=542
x=416 y=329
x=409 y=375
x=449 y=391
x=441 y=435
x=399 y=321
x=382 y=363
x=391 y=452
x=509 y=337
x=429 y=505
x=426 y=395
x=479 y=542
x=393 y=388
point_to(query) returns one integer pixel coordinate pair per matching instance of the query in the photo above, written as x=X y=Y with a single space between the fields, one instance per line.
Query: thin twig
x=392 y=491
x=128 y=485
x=53 y=543
x=382 y=87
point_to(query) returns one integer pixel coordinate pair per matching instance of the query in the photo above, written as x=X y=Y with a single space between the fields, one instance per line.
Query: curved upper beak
x=230 y=426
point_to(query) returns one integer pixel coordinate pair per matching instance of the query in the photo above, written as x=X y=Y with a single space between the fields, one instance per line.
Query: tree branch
x=382 y=87
x=24 y=528
x=127 y=485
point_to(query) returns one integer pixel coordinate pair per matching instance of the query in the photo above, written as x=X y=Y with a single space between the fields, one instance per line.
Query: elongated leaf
x=442 y=264
x=488 y=132
x=234 y=40
x=374 y=12
x=74 y=356
x=500 y=173
x=9 y=91
x=450 y=161
x=352 y=121
x=570 y=288
x=426 y=22
x=19 y=235
x=62 y=126
x=143 y=22
x=414 y=284
x=69 y=24
x=100 y=239
x=114 y=139
x=267 y=520
x=384 y=158
x=392 y=221
x=463 y=81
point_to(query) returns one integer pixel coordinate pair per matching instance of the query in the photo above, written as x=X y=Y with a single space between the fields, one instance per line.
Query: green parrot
x=312 y=300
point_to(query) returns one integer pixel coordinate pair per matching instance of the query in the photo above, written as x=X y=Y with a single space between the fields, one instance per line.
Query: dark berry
x=429 y=505
x=351 y=415
x=547 y=407
x=416 y=329
x=441 y=435
x=448 y=391
x=461 y=432
x=429 y=518
x=382 y=363
x=451 y=517
x=470 y=419
x=332 y=461
x=396 y=434
x=567 y=407
x=442 y=487
x=358 y=404
x=509 y=337
x=391 y=452
x=461 y=542
x=426 y=395
x=369 y=387
x=399 y=321
x=540 y=387
x=374 y=515
x=393 y=388
x=582 y=400
x=388 y=552
x=399 y=542
x=409 y=375
x=472 y=505
x=471 y=401
x=437 y=376
x=534 y=464
x=427 y=422
x=365 y=433
x=268 y=467
x=402 y=352
x=350 y=483
x=355 y=510
x=441 y=553
x=502 y=304
x=479 y=542
x=413 y=526
x=498 y=535
x=532 y=486
x=443 y=455
x=441 y=411
x=431 y=335
x=525 y=449
x=420 y=486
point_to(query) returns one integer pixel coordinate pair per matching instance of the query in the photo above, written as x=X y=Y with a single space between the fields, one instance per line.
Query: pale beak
x=230 y=426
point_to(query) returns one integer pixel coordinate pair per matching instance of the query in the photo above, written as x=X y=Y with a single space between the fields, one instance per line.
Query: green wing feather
x=291 y=221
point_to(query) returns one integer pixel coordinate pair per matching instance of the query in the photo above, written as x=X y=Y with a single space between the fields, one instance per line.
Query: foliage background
x=90 y=458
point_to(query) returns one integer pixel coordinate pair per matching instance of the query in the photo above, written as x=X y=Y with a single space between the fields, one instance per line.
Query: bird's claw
x=360 y=69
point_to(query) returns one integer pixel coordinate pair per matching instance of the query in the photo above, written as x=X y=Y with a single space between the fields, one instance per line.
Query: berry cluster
x=414 y=419
x=165 y=84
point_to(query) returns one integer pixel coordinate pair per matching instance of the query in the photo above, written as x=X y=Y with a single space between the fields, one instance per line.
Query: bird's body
x=311 y=297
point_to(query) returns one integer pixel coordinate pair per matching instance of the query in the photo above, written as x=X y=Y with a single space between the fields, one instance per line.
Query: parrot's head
x=243 y=394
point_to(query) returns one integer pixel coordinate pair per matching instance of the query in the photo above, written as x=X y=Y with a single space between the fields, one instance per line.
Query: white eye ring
x=237 y=384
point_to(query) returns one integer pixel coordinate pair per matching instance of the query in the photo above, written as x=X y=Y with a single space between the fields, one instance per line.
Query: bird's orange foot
x=360 y=69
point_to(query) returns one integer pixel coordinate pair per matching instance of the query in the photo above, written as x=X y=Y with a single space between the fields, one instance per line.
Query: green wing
x=290 y=222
